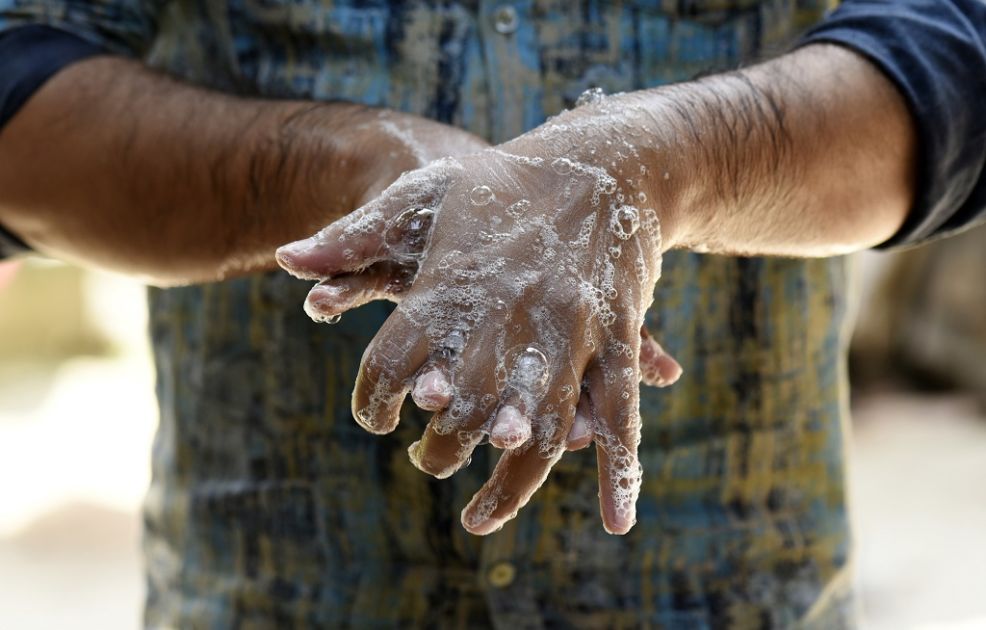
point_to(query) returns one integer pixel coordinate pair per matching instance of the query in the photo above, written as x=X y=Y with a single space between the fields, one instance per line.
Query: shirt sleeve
x=935 y=52
x=40 y=37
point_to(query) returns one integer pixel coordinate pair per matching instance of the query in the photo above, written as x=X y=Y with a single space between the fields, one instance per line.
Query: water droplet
x=667 y=175
x=326 y=319
x=453 y=344
x=481 y=195
x=591 y=97
x=562 y=166
x=642 y=197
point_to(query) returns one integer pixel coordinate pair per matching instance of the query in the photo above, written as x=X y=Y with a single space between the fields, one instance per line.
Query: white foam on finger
x=510 y=429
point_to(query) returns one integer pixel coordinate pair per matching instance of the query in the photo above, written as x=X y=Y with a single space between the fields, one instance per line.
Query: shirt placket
x=508 y=34
x=510 y=55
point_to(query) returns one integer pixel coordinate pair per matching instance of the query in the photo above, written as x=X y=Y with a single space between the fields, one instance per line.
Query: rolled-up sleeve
x=935 y=52
x=40 y=37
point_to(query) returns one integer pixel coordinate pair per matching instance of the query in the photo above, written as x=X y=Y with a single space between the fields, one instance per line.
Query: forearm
x=811 y=154
x=115 y=165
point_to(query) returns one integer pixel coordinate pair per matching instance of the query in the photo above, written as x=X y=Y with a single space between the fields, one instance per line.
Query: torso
x=269 y=503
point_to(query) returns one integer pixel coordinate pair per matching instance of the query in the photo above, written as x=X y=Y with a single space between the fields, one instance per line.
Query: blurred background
x=77 y=416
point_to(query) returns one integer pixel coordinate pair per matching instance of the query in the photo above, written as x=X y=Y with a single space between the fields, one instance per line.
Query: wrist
x=713 y=148
x=650 y=163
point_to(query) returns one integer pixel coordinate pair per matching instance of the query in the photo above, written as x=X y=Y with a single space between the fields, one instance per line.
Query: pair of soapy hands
x=522 y=273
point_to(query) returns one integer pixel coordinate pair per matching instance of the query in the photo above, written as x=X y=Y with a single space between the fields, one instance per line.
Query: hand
x=534 y=261
x=385 y=143
x=237 y=175
x=523 y=279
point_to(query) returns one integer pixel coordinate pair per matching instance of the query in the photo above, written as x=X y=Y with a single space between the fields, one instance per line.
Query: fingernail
x=432 y=391
x=297 y=248
x=287 y=256
x=484 y=527
x=622 y=520
x=510 y=428
x=477 y=517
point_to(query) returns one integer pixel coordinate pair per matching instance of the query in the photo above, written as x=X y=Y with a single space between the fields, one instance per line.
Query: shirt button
x=505 y=20
x=502 y=574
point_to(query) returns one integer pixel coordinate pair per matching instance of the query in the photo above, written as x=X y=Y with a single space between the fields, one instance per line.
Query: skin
x=114 y=165
x=811 y=154
x=111 y=164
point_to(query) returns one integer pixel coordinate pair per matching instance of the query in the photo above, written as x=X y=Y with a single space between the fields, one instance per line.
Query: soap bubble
x=625 y=221
x=524 y=369
x=408 y=233
x=530 y=370
x=562 y=166
x=606 y=184
x=518 y=208
x=481 y=195
x=549 y=451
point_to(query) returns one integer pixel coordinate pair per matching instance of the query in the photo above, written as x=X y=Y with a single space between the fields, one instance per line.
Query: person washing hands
x=527 y=274
x=564 y=229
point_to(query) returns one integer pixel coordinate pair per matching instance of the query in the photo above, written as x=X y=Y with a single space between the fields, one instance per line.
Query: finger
x=386 y=373
x=580 y=436
x=657 y=367
x=511 y=428
x=331 y=298
x=432 y=389
x=462 y=421
x=395 y=226
x=526 y=382
x=615 y=393
x=521 y=471
x=441 y=451
x=350 y=244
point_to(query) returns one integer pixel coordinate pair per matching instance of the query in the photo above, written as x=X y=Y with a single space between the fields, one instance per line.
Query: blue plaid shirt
x=270 y=507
